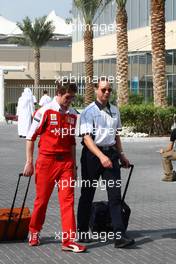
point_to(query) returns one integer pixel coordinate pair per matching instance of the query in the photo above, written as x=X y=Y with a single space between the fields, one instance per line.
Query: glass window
x=113 y=67
x=134 y=73
x=74 y=68
x=174 y=10
x=143 y=13
x=100 y=68
x=171 y=92
x=149 y=63
x=128 y=8
x=95 y=65
x=134 y=14
x=174 y=61
x=169 y=10
x=169 y=61
x=142 y=66
x=149 y=89
x=129 y=71
x=113 y=11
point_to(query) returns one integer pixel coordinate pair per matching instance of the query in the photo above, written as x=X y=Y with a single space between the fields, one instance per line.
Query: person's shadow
x=141 y=237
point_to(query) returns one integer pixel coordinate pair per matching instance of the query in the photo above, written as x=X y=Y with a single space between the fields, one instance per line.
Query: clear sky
x=16 y=10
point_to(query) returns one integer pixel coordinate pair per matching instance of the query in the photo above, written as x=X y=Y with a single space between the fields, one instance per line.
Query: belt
x=107 y=148
x=58 y=156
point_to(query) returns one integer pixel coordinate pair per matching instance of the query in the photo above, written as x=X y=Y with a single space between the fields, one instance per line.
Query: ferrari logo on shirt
x=53 y=117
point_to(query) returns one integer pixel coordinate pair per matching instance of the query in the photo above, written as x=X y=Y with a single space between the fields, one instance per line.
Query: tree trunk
x=122 y=56
x=88 y=51
x=158 y=52
x=36 y=71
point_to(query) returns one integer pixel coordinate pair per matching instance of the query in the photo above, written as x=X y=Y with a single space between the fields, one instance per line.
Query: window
x=134 y=14
x=169 y=10
x=169 y=61
x=143 y=13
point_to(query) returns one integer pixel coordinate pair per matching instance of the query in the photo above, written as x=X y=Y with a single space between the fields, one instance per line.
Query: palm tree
x=88 y=9
x=158 y=51
x=122 y=52
x=36 y=35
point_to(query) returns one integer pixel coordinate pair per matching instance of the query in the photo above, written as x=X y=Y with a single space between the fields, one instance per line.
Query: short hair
x=45 y=92
x=66 y=87
x=101 y=79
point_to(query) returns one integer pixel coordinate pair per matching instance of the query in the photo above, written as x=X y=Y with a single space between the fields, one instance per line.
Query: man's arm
x=123 y=159
x=105 y=161
x=29 y=167
x=168 y=148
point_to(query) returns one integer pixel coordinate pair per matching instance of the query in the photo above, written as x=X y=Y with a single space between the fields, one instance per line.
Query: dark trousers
x=91 y=170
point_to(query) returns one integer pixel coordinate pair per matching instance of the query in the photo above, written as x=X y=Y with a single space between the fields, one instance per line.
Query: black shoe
x=84 y=237
x=124 y=241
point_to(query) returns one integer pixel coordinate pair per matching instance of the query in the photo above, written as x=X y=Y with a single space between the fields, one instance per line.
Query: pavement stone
x=152 y=201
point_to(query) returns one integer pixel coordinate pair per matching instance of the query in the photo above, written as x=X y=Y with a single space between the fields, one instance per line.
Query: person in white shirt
x=102 y=150
x=45 y=99
x=25 y=110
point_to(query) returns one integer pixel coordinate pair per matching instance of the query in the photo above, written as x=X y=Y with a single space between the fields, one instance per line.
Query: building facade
x=55 y=60
x=139 y=44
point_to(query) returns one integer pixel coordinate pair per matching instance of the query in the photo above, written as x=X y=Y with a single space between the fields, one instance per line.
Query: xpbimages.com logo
x=81 y=79
x=95 y=131
x=101 y=184
x=102 y=236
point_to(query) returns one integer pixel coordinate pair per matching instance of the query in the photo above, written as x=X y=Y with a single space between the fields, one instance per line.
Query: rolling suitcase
x=100 y=220
x=14 y=222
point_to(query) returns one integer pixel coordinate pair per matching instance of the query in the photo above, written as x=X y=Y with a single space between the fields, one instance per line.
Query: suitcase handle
x=131 y=167
x=12 y=207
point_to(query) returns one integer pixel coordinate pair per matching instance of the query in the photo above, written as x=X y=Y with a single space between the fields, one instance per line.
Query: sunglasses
x=104 y=90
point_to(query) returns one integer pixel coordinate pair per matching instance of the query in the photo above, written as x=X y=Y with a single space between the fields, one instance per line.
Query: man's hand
x=28 y=169
x=105 y=161
x=161 y=151
x=124 y=161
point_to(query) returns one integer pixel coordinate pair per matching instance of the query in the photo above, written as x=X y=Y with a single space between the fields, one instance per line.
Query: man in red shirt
x=55 y=124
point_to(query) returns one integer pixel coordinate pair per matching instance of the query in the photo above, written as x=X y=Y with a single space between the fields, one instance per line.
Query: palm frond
x=37 y=33
x=89 y=8
x=19 y=40
x=121 y=3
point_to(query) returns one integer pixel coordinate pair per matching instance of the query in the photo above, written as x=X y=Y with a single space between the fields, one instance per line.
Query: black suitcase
x=100 y=220
x=14 y=222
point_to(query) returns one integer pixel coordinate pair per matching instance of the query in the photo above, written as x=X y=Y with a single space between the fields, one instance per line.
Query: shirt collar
x=100 y=106
x=58 y=107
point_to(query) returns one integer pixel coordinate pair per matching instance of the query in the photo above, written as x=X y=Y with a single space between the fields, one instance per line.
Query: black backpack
x=100 y=220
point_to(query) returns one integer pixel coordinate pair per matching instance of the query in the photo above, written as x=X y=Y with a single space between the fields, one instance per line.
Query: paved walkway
x=152 y=223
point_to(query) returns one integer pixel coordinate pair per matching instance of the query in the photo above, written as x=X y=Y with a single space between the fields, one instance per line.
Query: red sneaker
x=34 y=239
x=74 y=247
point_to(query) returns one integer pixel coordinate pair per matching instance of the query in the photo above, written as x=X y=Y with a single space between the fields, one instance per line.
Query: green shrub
x=135 y=99
x=79 y=101
x=146 y=118
x=113 y=97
